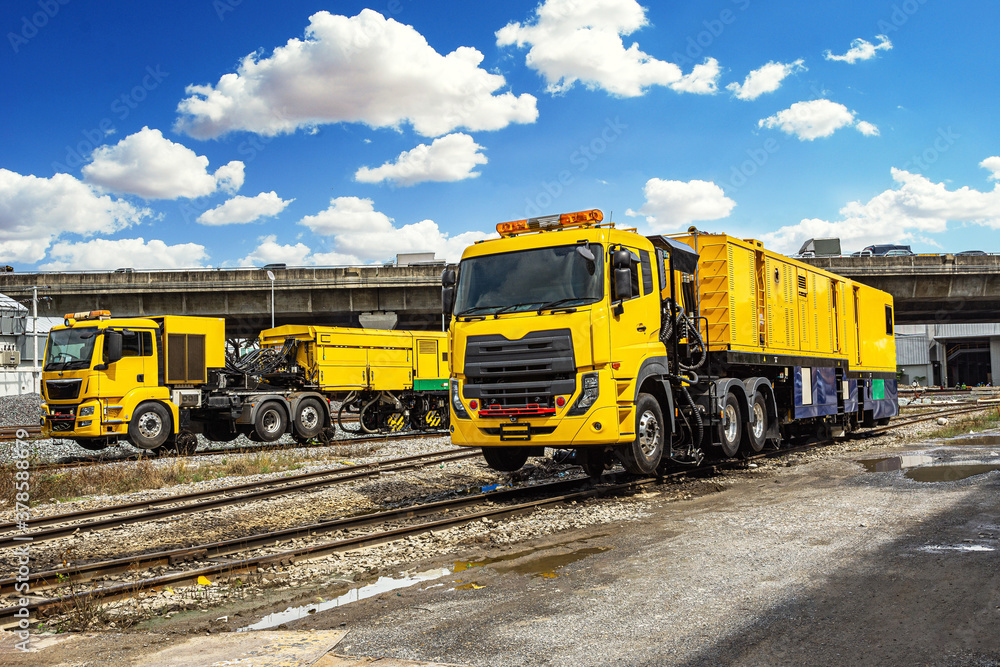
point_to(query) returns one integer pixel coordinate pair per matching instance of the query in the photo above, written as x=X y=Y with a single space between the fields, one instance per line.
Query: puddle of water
x=949 y=473
x=979 y=440
x=895 y=463
x=958 y=547
x=383 y=585
x=543 y=567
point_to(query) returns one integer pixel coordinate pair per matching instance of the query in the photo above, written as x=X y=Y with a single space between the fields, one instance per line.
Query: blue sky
x=237 y=133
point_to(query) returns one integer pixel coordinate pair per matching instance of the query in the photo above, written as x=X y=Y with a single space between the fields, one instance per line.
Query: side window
x=888 y=320
x=647 y=272
x=140 y=344
x=633 y=273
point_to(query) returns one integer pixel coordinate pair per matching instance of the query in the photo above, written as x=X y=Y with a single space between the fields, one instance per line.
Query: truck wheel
x=150 y=426
x=309 y=419
x=757 y=427
x=270 y=422
x=505 y=459
x=642 y=455
x=731 y=427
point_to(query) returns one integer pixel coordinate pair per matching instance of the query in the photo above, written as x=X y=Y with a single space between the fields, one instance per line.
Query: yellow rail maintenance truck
x=159 y=381
x=569 y=333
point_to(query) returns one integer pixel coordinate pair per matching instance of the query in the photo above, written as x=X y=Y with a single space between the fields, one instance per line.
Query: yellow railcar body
x=758 y=301
x=346 y=359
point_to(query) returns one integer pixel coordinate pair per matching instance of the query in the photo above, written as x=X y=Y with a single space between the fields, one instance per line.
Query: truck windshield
x=70 y=349
x=530 y=280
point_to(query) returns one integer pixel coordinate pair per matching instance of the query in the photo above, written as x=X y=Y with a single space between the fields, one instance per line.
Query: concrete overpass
x=929 y=289
x=328 y=296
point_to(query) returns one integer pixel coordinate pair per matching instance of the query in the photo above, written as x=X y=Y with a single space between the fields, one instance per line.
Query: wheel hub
x=649 y=433
x=150 y=425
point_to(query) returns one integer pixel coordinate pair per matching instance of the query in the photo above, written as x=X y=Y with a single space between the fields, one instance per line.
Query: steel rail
x=148 y=510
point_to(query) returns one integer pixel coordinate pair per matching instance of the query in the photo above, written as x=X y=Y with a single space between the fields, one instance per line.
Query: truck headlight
x=456 y=402
x=591 y=390
x=86 y=411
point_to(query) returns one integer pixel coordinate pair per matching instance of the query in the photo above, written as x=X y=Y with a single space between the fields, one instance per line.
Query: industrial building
x=19 y=369
x=948 y=355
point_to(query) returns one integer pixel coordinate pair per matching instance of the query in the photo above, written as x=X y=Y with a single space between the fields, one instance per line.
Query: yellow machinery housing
x=390 y=380
x=569 y=333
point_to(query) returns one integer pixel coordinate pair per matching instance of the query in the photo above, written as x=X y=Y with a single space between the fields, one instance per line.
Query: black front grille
x=62 y=390
x=528 y=371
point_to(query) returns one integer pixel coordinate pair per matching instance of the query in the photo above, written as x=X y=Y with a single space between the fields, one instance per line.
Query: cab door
x=136 y=368
x=635 y=321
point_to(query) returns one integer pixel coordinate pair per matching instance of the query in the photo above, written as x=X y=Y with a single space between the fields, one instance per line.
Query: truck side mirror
x=113 y=347
x=623 y=284
x=621 y=259
x=448 y=279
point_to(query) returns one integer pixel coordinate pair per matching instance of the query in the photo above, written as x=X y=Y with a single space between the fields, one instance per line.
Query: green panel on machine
x=878 y=389
x=437 y=384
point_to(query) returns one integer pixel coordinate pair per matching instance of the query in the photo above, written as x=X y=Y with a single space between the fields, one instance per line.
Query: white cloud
x=271 y=252
x=916 y=206
x=670 y=205
x=362 y=235
x=816 y=119
x=861 y=49
x=766 y=79
x=105 y=254
x=450 y=158
x=866 y=128
x=151 y=166
x=581 y=40
x=993 y=164
x=35 y=211
x=365 y=69
x=242 y=209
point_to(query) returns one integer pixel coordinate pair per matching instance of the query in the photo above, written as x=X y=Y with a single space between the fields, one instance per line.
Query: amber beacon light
x=578 y=219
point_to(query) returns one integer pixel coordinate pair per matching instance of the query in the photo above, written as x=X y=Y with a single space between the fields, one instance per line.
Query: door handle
x=641 y=327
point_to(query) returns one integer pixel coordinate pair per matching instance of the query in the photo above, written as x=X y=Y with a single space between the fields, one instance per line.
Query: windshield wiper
x=469 y=311
x=553 y=304
x=507 y=309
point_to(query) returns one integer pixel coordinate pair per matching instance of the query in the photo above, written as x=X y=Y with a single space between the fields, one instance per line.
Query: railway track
x=92 y=520
x=247 y=449
x=10 y=432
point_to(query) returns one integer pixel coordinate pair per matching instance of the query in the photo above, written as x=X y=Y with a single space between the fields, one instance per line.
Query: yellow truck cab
x=108 y=378
x=567 y=332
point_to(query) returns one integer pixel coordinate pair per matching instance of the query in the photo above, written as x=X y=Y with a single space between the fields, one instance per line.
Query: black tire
x=310 y=419
x=92 y=444
x=150 y=425
x=505 y=459
x=731 y=430
x=642 y=456
x=220 y=432
x=270 y=422
x=756 y=426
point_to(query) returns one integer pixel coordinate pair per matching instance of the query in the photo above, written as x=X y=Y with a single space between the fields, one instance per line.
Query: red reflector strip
x=528 y=410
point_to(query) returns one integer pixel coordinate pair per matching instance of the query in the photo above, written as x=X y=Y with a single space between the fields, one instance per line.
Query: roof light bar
x=87 y=315
x=547 y=222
